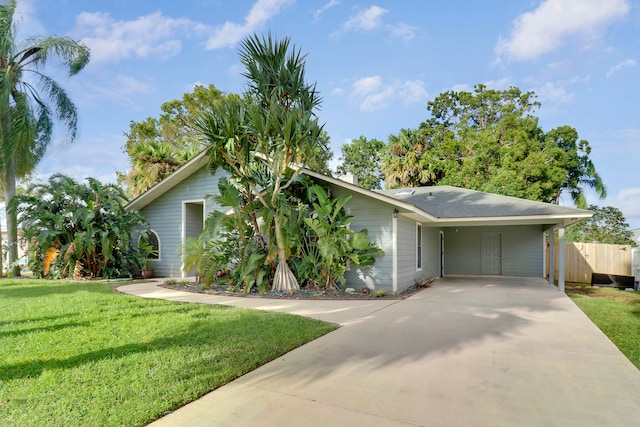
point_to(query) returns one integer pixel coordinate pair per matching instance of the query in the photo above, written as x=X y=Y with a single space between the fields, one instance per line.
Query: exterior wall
x=430 y=252
x=522 y=251
x=407 y=260
x=376 y=217
x=165 y=217
x=408 y=273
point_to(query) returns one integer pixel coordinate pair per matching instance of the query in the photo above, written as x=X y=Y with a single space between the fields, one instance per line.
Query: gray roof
x=444 y=201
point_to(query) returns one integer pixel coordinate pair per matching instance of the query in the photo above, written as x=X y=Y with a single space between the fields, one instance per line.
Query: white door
x=492 y=253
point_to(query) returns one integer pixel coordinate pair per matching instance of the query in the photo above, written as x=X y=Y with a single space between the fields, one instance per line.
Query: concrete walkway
x=467 y=352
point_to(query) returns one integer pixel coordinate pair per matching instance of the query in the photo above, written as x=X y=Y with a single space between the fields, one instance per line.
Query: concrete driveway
x=489 y=351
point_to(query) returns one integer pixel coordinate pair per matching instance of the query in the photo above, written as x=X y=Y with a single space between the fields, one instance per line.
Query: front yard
x=79 y=354
x=615 y=312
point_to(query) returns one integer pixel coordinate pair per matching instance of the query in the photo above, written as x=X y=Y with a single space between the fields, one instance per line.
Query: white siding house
x=424 y=232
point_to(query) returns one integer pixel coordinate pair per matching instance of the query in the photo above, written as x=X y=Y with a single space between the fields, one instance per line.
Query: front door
x=491 y=253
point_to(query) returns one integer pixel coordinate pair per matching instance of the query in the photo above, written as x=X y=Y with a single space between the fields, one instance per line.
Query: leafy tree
x=320 y=155
x=30 y=103
x=607 y=225
x=79 y=230
x=158 y=146
x=259 y=137
x=490 y=140
x=362 y=157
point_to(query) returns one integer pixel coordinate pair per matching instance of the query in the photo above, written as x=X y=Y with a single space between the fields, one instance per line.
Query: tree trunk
x=12 y=221
x=1 y=256
x=284 y=280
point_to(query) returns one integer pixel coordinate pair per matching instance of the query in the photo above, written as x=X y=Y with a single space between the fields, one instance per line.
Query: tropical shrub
x=318 y=242
x=79 y=230
x=330 y=246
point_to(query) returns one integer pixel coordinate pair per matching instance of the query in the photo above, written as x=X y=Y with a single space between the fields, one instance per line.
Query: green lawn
x=79 y=354
x=615 y=312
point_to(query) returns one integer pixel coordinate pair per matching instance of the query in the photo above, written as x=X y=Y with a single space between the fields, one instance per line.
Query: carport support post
x=552 y=258
x=561 y=258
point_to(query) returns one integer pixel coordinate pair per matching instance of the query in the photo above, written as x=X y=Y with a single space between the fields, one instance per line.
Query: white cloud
x=118 y=90
x=230 y=33
x=337 y=92
x=627 y=201
x=367 y=85
x=72 y=159
x=461 y=87
x=412 y=92
x=25 y=19
x=556 y=93
x=324 y=8
x=546 y=28
x=152 y=35
x=366 y=20
x=501 y=84
x=403 y=31
x=624 y=64
x=372 y=94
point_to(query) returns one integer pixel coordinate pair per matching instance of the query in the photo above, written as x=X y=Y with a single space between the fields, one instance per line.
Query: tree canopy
x=490 y=140
x=607 y=225
x=30 y=104
x=362 y=157
x=158 y=146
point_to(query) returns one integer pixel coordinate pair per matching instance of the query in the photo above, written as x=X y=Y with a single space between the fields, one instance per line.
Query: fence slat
x=582 y=259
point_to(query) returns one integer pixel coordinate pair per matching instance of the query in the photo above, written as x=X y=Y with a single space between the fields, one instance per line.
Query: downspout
x=394 y=228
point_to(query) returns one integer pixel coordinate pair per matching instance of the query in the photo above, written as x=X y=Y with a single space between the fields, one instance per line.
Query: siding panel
x=375 y=216
x=165 y=216
x=522 y=252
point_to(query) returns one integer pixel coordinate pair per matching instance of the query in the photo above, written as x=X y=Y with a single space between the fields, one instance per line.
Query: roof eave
x=564 y=220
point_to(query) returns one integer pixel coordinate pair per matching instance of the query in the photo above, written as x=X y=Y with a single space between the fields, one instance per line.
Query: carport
x=490 y=234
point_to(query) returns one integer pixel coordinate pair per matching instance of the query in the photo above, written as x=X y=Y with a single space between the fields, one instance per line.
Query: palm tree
x=153 y=160
x=30 y=103
x=259 y=137
x=402 y=165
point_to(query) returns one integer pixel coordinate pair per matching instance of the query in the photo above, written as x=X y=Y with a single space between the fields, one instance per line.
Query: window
x=418 y=247
x=153 y=243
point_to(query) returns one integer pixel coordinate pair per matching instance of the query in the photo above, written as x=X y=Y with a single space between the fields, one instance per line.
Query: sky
x=376 y=64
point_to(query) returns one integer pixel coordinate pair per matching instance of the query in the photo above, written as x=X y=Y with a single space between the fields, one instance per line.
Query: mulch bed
x=311 y=294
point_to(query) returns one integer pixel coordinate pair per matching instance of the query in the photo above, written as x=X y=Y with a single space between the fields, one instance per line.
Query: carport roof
x=452 y=202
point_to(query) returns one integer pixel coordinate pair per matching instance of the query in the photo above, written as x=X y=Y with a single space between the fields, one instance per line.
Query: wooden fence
x=582 y=259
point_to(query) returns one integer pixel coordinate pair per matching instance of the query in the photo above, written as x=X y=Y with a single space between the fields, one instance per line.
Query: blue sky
x=376 y=63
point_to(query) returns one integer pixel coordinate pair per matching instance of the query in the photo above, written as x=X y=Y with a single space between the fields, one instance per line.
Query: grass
x=79 y=354
x=615 y=312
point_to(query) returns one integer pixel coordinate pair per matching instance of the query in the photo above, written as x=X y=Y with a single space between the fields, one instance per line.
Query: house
x=424 y=232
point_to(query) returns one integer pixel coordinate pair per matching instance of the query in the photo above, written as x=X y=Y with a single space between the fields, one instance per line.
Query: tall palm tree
x=259 y=137
x=30 y=103
x=402 y=164
x=151 y=161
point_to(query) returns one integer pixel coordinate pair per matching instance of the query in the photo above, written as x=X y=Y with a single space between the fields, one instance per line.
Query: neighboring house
x=424 y=232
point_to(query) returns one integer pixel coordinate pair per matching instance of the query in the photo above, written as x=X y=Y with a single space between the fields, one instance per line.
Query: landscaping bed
x=304 y=293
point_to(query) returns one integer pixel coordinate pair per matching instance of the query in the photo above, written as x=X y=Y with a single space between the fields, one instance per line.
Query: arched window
x=152 y=243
